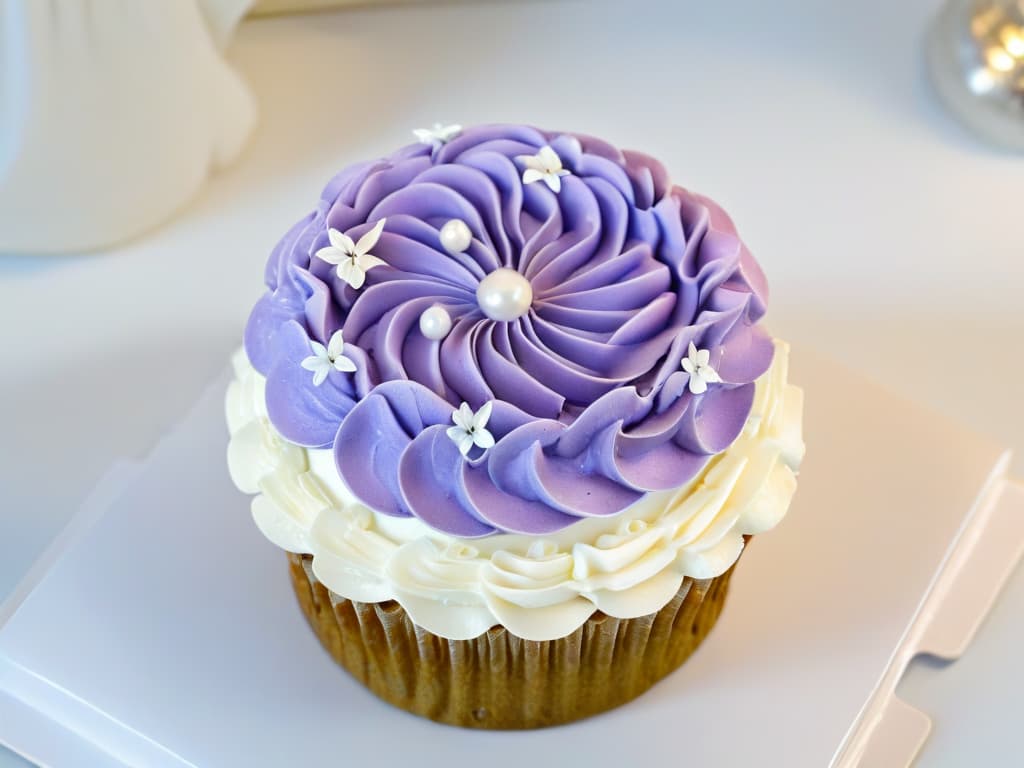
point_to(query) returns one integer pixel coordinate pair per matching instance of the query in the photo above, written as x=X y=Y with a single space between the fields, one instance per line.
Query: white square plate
x=166 y=634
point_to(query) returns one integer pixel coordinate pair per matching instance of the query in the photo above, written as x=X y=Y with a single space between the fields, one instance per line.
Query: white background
x=892 y=239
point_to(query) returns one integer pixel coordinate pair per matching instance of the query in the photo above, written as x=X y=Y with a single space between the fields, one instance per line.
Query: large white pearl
x=504 y=295
x=435 y=323
x=455 y=236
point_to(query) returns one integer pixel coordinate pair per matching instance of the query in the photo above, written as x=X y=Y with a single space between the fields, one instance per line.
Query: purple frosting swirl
x=591 y=405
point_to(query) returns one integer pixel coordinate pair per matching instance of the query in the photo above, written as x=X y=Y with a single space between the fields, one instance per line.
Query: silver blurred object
x=976 y=54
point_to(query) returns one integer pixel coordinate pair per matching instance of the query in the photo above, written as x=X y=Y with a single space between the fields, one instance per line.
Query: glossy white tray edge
x=96 y=503
x=889 y=732
x=32 y=734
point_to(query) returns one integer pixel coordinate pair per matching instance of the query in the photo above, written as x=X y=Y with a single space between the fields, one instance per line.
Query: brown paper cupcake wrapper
x=498 y=680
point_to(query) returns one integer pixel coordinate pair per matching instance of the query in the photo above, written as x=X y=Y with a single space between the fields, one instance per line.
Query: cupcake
x=508 y=407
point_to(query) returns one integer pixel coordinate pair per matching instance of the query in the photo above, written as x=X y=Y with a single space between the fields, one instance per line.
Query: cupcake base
x=498 y=680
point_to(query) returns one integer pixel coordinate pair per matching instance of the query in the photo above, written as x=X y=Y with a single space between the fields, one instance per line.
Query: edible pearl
x=455 y=236
x=504 y=294
x=435 y=323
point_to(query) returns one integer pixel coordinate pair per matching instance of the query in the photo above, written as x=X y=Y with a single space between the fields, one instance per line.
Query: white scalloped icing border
x=538 y=587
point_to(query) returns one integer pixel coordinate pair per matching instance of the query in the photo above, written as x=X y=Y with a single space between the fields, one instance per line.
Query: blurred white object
x=112 y=113
x=976 y=53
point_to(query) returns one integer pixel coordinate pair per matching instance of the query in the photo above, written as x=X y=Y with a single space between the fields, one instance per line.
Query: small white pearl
x=455 y=236
x=504 y=294
x=435 y=323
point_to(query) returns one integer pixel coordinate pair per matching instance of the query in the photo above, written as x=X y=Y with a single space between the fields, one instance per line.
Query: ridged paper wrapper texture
x=498 y=680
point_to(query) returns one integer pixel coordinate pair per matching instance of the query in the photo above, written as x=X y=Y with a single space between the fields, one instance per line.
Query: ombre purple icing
x=591 y=406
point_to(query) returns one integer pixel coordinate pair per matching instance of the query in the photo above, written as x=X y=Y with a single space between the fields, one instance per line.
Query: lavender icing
x=591 y=408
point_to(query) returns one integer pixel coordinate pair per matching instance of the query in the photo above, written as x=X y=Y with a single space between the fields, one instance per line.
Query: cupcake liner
x=499 y=680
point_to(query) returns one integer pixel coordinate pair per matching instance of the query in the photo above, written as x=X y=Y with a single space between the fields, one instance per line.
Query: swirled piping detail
x=605 y=279
x=539 y=587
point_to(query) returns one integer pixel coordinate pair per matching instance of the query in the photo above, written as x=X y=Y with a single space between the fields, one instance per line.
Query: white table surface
x=891 y=237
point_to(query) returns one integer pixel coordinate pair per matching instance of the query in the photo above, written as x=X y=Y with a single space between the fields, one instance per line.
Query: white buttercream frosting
x=538 y=587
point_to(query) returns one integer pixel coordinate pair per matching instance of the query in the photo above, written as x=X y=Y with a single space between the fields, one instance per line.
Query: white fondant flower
x=353 y=260
x=470 y=428
x=325 y=358
x=545 y=166
x=437 y=136
x=696 y=363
